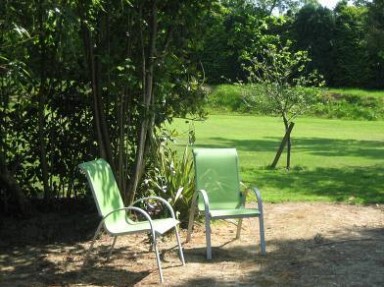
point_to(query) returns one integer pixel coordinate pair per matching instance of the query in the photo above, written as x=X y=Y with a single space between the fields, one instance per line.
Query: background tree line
x=345 y=44
x=93 y=78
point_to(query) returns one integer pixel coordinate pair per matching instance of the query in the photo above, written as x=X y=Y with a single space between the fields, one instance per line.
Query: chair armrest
x=192 y=210
x=162 y=200
x=133 y=208
x=204 y=194
x=130 y=208
x=257 y=194
x=259 y=200
x=207 y=213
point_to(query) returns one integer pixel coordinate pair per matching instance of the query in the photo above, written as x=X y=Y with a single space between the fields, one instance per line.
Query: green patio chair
x=218 y=193
x=116 y=218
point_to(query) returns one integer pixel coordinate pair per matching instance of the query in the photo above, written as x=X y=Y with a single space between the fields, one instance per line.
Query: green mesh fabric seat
x=218 y=193
x=116 y=217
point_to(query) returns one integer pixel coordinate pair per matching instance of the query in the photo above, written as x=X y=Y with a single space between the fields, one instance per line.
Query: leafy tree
x=351 y=57
x=282 y=76
x=145 y=78
x=234 y=28
x=44 y=117
x=375 y=41
x=280 y=6
x=313 y=30
x=98 y=78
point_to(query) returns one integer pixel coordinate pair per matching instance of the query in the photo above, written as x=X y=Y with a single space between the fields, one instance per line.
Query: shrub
x=172 y=176
x=325 y=103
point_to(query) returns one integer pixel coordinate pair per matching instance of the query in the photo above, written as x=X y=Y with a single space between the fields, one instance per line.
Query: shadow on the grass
x=361 y=184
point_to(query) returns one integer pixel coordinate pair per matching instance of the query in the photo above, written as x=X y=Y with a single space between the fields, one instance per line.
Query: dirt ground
x=308 y=244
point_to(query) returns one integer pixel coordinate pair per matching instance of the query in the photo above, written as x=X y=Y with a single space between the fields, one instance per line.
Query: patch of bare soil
x=308 y=244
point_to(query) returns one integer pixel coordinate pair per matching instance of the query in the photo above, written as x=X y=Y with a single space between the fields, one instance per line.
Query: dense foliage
x=87 y=79
x=94 y=78
x=345 y=44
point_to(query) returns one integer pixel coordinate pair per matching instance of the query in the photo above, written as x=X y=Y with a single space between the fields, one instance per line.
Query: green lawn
x=332 y=160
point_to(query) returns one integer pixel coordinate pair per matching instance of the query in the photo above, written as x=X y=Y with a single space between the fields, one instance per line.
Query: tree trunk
x=94 y=69
x=288 y=135
x=289 y=151
x=42 y=95
x=120 y=145
x=147 y=100
x=285 y=141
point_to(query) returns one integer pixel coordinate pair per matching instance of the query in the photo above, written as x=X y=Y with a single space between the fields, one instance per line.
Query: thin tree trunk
x=103 y=139
x=101 y=106
x=121 y=171
x=283 y=143
x=42 y=143
x=288 y=133
x=146 y=126
x=41 y=108
x=289 y=151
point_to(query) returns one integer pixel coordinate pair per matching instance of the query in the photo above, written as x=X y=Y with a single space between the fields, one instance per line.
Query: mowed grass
x=332 y=160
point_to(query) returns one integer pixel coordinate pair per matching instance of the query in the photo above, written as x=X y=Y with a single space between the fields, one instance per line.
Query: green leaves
x=172 y=174
x=282 y=74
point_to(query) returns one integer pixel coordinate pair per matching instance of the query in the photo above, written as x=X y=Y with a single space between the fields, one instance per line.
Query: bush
x=348 y=106
x=325 y=103
x=172 y=176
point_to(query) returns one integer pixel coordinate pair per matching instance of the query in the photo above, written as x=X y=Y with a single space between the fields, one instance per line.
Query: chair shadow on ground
x=353 y=258
x=337 y=261
x=98 y=276
x=23 y=265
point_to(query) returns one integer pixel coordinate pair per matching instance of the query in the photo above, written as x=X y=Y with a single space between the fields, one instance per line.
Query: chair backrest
x=104 y=188
x=216 y=171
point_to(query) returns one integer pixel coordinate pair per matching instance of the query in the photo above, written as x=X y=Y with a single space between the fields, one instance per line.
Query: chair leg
x=261 y=221
x=157 y=258
x=152 y=242
x=239 y=224
x=208 y=237
x=262 y=235
x=92 y=243
x=111 y=248
x=179 y=244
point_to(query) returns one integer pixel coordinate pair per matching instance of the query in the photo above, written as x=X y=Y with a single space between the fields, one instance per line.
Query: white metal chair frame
x=155 y=227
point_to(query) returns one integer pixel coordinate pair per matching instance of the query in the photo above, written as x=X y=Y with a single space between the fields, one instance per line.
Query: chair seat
x=234 y=213
x=160 y=226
